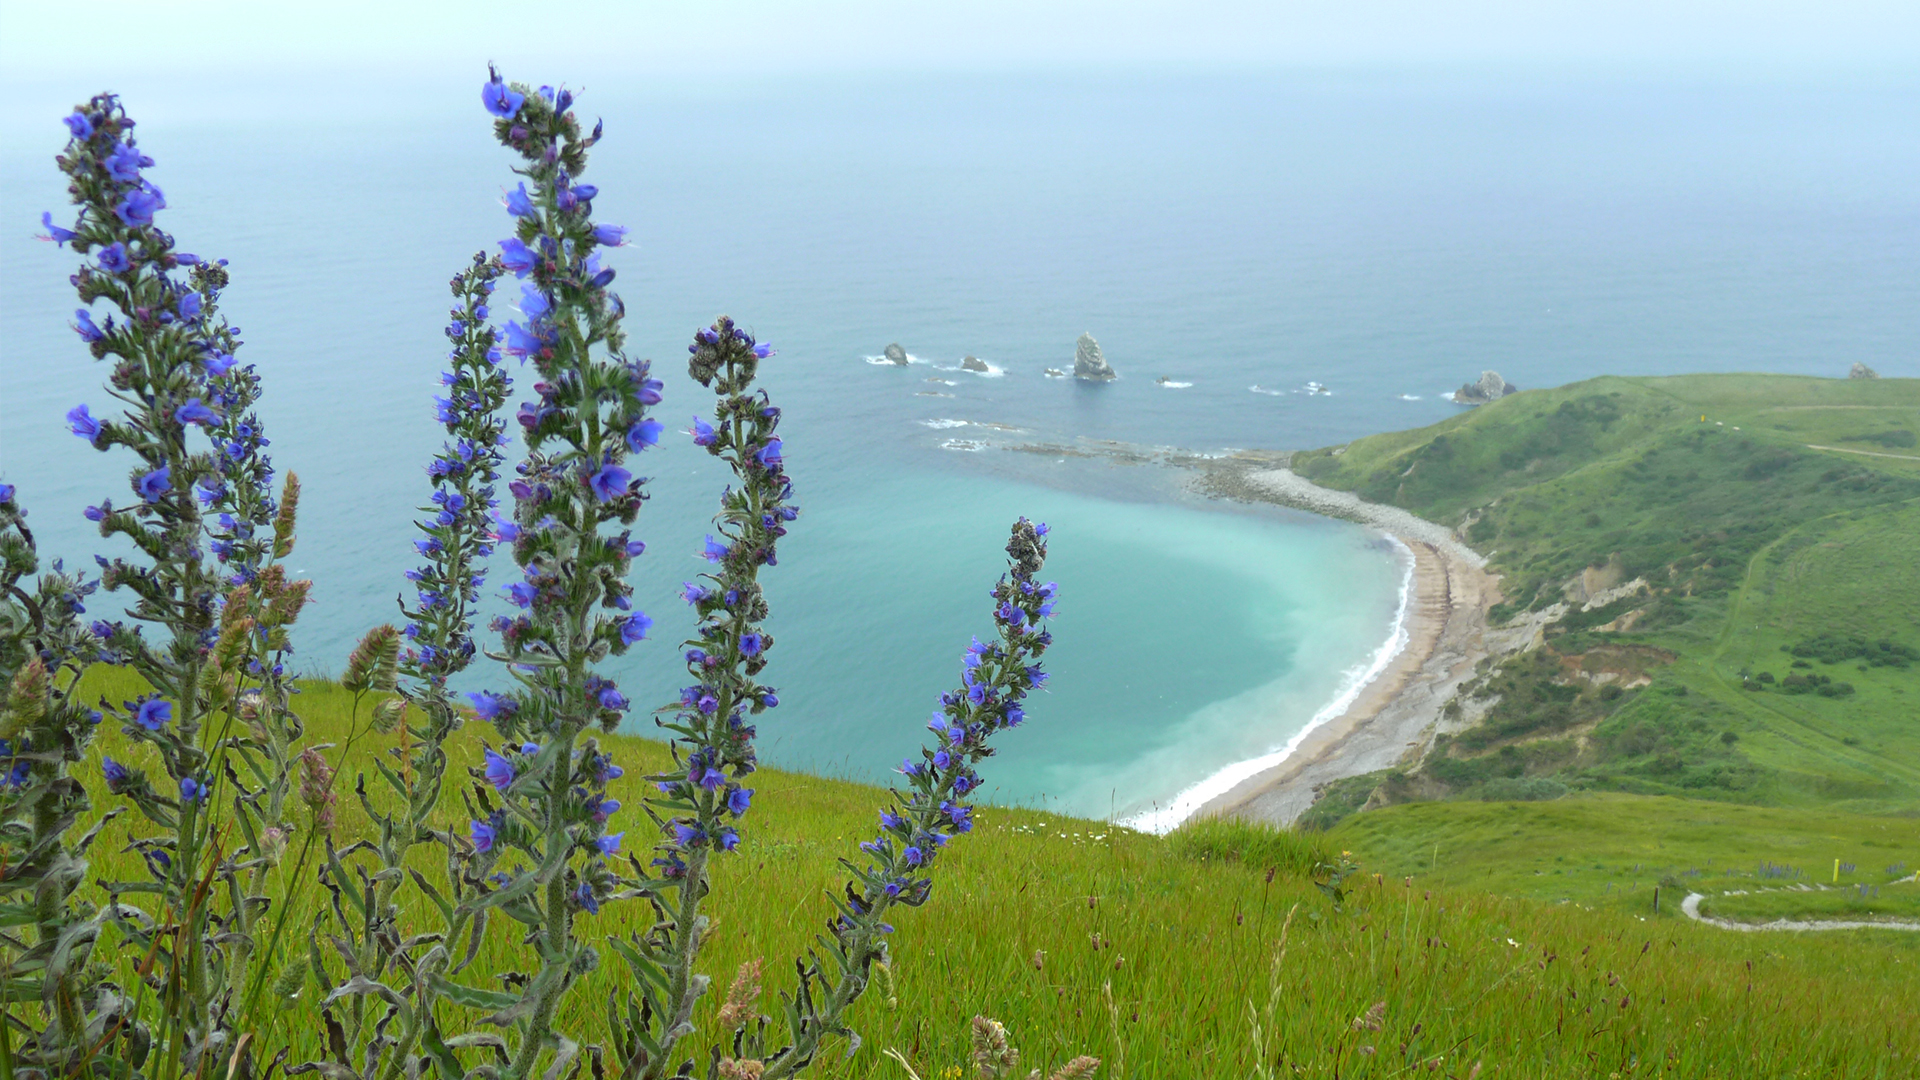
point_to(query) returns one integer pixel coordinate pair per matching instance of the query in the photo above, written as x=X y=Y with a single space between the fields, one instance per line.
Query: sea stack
x=1862 y=371
x=1491 y=387
x=974 y=363
x=895 y=354
x=1088 y=363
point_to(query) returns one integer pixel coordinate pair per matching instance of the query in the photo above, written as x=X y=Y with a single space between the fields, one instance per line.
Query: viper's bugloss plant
x=456 y=535
x=46 y=956
x=218 y=717
x=543 y=850
x=699 y=806
x=933 y=808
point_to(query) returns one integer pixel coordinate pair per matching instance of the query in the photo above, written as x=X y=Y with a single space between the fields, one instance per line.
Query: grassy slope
x=1163 y=953
x=1754 y=543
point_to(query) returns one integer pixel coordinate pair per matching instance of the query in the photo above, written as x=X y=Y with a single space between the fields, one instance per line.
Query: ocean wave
x=1409 y=397
x=1162 y=820
x=970 y=446
x=1258 y=389
x=881 y=361
x=930 y=393
x=1171 y=385
x=943 y=423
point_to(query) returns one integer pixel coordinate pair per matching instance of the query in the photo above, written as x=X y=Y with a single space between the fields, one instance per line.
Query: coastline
x=1393 y=716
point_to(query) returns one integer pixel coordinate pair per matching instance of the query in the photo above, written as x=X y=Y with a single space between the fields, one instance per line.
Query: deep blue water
x=1388 y=234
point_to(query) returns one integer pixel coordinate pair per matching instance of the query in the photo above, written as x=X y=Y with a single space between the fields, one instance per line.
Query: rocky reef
x=1088 y=363
x=974 y=363
x=895 y=354
x=1491 y=387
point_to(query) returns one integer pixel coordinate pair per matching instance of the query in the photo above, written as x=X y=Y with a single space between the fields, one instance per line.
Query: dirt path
x=1866 y=453
x=1691 y=908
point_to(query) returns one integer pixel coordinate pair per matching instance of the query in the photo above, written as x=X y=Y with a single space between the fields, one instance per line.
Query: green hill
x=1211 y=953
x=1773 y=657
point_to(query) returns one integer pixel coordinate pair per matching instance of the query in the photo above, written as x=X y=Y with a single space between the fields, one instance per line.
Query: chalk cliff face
x=1088 y=363
x=1862 y=371
x=1491 y=387
x=896 y=354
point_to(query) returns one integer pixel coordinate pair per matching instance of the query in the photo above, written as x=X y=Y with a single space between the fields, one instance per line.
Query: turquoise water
x=1385 y=233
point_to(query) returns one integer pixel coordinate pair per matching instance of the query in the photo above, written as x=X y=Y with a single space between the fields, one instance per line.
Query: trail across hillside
x=1691 y=908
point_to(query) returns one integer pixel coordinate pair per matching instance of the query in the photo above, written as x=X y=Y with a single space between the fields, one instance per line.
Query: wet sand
x=1393 y=719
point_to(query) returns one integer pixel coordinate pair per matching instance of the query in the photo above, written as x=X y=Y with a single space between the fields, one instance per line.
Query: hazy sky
x=39 y=38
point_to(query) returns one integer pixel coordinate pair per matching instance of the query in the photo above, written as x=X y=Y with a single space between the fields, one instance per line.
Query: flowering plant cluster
x=204 y=518
x=539 y=844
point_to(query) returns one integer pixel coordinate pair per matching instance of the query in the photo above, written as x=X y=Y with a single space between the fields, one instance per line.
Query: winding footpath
x=1691 y=908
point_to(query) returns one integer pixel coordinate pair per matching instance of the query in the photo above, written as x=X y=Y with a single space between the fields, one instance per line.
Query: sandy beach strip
x=1392 y=718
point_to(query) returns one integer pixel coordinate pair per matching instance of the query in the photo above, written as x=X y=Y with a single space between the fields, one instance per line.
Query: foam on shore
x=1161 y=820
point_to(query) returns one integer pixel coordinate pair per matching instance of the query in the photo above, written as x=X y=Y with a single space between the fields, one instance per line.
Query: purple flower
x=83 y=325
x=218 y=364
x=522 y=594
x=602 y=809
x=82 y=423
x=140 y=204
x=78 y=125
x=518 y=204
x=914 y=855
x=751 y=643
x=763 y=350
x=609 y=843
x=738 y=800
x=715 y=550
x=191 y=305
x=610 y=235
x=491 y=707
x=499 y=99
x=769 y=455
x=585 y=898
x=499 y=770
x=712 y=779
x=113 y=258
x=54 y=232
x=609 y=483
x=643 y=434
x=116 y=773
x=634 y=627
x=533 y=302
x=515 y=256
x=125 y=162
x=522 y=341
x=728 y=840
x=687 y=834
x=483 y=834
x=769 y=700
x=155 y=484
x=193 y=412
x=191 y=790
x=610 y=698
x=702 y=433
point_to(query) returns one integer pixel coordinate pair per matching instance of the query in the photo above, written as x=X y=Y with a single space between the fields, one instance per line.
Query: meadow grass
x=1181 y=956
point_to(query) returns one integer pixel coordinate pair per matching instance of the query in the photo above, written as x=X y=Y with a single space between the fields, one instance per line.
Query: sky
x=726 y=39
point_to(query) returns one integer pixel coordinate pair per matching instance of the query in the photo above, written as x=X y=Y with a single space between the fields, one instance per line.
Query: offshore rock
x=895 y=354
x=1088 y=363
x=1862 y=371
x=1491 y=387
x=974 y=363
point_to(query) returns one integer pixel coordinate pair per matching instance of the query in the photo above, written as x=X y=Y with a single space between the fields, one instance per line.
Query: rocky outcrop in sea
x=1088 y=363
x=895 y=354
x=974 y=363
x=1491 y=387
x=1862 y=371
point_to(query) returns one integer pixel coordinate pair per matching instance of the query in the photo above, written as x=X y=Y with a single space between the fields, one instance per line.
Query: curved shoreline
x=1191 y=801
x=1391 y=718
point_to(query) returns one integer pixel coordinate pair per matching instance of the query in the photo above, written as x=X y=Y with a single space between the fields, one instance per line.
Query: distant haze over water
x=1386 y=234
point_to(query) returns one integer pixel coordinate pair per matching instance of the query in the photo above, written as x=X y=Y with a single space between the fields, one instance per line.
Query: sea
x=1270 y=259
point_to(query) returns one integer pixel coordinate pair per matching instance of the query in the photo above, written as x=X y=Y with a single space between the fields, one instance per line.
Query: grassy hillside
x=1212 y=954
x=1773 y=657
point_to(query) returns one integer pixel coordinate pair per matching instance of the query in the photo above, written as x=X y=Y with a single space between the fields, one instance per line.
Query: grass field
x=1184 y=957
